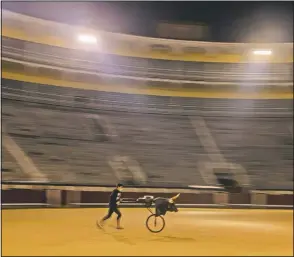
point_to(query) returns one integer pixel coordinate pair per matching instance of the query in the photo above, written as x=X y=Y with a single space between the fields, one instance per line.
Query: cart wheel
x=155 y=224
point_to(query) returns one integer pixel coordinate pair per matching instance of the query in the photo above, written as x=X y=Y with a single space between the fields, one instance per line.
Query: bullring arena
x=191 y=232
x=205 y=119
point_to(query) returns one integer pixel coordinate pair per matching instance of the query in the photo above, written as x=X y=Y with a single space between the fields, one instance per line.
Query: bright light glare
x=262 y=52
x=88 y=39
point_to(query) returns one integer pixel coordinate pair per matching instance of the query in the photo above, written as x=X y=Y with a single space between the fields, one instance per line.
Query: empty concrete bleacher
x=94 y=147
x=10 y=170
x=165 y=146
x=98 y=100
x=58 y=143
x=67 y=147
x=263 y=146
x=62 y=136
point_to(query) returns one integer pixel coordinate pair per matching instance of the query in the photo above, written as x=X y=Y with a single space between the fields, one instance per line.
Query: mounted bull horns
x=175 y=197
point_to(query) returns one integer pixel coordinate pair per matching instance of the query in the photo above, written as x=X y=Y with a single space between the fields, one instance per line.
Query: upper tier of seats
x=244 y=74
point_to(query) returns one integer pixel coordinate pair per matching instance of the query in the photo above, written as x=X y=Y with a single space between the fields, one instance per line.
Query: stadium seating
x=151 y=69
x=91 y=99
x=124 y=135
x=80 y=136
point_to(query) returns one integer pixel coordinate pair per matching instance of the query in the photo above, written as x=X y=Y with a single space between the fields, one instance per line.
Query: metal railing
x=151 y=104
x=28 y=53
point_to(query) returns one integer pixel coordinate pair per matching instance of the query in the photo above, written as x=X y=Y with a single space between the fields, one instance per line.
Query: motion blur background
x=167 y=94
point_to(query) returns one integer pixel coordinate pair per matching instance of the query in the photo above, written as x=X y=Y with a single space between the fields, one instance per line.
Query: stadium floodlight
x=88 y=39
x=262 y=52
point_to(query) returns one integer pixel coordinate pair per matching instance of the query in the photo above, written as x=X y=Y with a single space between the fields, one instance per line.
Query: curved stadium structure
x=143 y=111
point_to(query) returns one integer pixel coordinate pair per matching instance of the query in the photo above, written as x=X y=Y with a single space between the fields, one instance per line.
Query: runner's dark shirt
x=115 y=198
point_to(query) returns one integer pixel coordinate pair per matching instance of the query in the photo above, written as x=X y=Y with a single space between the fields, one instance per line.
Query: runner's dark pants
x=111 y=210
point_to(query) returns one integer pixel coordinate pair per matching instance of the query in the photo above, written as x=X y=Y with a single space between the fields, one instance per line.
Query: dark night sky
x=227 y=21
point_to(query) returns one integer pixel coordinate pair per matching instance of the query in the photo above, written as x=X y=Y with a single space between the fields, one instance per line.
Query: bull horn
x=175 y=197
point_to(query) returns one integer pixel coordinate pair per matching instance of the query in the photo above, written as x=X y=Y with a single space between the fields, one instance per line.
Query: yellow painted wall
x=191 y=93
x=133 y=52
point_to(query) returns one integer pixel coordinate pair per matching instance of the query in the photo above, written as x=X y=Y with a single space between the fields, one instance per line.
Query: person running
x=114 y=201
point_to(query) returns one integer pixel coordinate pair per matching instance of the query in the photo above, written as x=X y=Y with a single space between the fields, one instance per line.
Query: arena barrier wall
x=36 y=196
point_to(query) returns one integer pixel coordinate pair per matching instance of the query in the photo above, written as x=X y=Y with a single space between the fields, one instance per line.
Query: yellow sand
x=189 y=232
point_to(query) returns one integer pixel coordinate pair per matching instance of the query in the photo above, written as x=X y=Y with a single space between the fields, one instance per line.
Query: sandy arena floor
x=188 y=232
